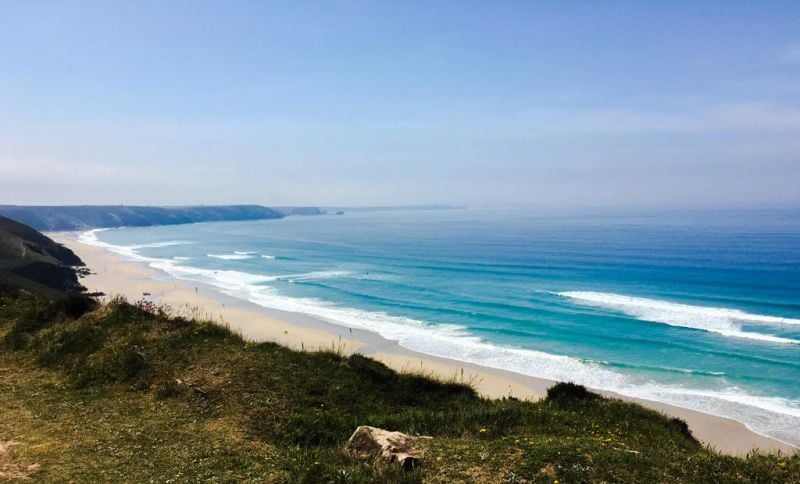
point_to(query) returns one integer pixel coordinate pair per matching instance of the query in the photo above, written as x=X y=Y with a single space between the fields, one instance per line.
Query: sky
x=548 y=104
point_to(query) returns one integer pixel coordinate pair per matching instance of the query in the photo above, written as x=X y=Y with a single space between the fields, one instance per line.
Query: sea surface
x=699 y=309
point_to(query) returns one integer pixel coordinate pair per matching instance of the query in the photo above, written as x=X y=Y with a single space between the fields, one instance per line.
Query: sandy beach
x=114 y=275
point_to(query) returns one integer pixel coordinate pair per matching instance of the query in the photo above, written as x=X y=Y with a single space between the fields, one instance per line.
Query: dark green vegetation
x=30 y=260
x=127 y=392
x=89 y=216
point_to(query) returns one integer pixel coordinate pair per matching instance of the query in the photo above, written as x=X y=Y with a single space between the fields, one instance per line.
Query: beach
x=112 y=275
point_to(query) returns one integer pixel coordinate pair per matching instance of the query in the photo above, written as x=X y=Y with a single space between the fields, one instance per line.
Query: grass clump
x=127 y=392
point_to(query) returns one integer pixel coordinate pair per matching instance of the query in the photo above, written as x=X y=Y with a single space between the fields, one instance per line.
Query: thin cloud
x=744 y=117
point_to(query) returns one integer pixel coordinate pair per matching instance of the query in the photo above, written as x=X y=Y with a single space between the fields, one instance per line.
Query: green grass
x=126 y=392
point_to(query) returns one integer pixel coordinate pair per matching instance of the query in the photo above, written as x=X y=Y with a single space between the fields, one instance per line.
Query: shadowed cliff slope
x=34 y=262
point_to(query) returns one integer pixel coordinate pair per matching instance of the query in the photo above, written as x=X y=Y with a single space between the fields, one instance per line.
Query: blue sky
x=527 y=103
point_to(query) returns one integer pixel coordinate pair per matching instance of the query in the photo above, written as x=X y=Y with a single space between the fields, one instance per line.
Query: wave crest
x=234 y=256
x=724 y=321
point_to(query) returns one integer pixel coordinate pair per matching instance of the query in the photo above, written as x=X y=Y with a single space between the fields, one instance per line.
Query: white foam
x=234 y=256
x=223 y=279
x=315 y=275
x=90 y=238
x=771 y=416
x=724 y=321
x=267 y=256
x=168 y=243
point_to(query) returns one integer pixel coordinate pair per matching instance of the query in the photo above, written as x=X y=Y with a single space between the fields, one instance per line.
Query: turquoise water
x=700 y=309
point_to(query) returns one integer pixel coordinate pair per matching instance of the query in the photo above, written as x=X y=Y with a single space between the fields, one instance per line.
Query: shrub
x=568 y=391
x=121 y=312
x=76 y=305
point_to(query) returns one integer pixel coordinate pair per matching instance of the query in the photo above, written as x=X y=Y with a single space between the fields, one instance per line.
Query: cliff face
x=32 y=261
x=84 y=217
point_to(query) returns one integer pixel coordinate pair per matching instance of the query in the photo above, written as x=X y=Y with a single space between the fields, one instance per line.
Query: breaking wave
x=723 y=321
x=234 y=256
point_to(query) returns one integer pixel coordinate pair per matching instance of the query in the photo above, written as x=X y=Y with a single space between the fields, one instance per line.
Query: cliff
x=34 y=262
x=96 y=216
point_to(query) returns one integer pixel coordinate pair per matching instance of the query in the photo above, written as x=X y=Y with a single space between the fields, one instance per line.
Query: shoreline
x=113 y=274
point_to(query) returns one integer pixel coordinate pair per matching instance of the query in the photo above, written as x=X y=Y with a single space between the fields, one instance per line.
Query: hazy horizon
x=371 y=104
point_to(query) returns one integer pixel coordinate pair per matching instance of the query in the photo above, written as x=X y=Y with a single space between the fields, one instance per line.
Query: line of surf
x=723 y=321
x=235 y=256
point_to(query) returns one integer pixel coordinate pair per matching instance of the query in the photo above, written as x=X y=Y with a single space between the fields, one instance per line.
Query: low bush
x=567 y=391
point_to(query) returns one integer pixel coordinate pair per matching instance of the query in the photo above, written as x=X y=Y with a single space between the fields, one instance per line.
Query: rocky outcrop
x=376 y=445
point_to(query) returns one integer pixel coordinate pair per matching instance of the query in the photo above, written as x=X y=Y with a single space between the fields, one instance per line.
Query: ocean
x=699 y=309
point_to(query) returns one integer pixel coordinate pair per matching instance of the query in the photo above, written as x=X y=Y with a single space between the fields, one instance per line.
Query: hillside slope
x=131 y=393
x=96 y=216
x=34 y=262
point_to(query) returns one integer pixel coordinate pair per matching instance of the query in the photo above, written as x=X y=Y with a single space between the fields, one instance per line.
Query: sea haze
x=696 y=309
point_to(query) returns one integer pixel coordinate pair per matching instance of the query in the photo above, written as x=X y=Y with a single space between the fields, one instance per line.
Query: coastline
x=112 y=274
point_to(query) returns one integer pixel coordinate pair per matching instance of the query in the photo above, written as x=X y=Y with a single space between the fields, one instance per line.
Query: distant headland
x=82 y=217
x=79 y=217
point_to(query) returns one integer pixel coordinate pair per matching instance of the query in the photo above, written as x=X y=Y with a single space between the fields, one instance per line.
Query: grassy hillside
x=128 y=392
x=29 y=259
x=90 y=216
